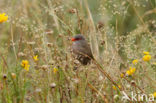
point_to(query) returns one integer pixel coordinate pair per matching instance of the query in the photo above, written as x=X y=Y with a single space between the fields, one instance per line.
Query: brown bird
x=81 y=49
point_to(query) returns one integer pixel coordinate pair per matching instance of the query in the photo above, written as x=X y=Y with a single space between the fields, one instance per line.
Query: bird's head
x=78 y=38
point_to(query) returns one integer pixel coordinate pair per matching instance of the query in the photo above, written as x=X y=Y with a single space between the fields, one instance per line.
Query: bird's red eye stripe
x=75 y=39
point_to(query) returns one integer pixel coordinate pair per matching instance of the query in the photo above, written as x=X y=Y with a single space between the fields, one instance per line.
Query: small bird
x=81 y=49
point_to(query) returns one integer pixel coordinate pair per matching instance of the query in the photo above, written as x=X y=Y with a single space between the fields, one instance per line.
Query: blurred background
x=117 y=30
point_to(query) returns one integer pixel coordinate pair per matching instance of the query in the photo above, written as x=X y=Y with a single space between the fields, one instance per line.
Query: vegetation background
x=38 y=33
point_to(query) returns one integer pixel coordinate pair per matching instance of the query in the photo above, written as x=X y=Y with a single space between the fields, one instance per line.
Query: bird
x=81 y=49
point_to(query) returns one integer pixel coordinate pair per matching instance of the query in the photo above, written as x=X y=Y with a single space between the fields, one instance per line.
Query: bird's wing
x=82 y=48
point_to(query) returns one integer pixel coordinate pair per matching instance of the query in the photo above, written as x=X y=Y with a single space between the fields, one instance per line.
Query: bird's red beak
x=73 y=39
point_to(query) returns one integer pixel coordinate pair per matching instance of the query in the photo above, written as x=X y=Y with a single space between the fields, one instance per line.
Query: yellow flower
x=55 y=70
x=25 y=65
x=147 y=58
x=35 y=58
x=146 y=53
x=131 y=71
x=24 y=62
x=119 y=86
x=128 y=72
x=114 y=87
x=13 y=75
x=154 y=94
x=122 y=75
x=3 y=17
x=135 y=61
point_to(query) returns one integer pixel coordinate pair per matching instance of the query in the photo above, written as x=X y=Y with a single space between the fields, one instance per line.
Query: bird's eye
x=78 y=38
